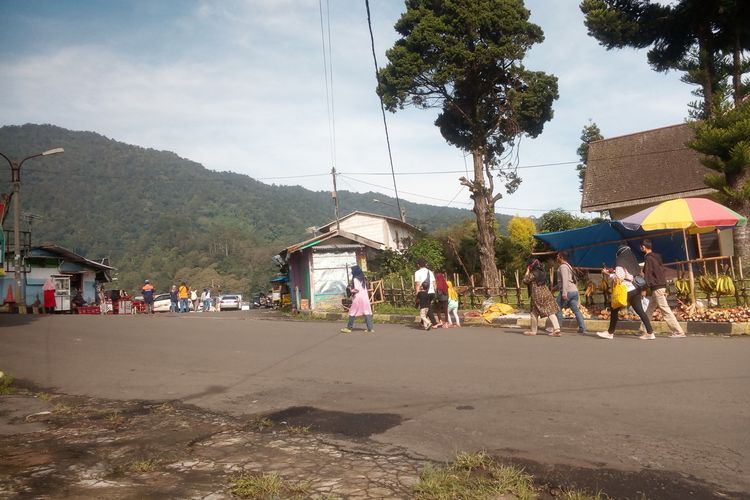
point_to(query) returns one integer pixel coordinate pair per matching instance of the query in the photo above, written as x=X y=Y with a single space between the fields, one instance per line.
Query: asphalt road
x=677 y=406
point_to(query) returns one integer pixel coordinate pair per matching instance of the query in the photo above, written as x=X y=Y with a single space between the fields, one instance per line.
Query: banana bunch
x=604 y=286
x=707 y=283
x=724 y=285
x=590 y=289
x=683 y=287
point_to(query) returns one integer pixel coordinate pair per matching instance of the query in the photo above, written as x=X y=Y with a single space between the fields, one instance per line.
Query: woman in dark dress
x=543 y=303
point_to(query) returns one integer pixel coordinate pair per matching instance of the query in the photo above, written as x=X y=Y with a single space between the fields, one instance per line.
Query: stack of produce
x=715 y=314
x=568 y=313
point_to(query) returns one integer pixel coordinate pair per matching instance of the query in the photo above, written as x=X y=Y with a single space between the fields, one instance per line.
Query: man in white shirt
x=424 y=275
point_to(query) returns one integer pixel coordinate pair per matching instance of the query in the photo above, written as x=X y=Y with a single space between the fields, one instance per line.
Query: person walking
x=174 y=299
x=183 y=294
x=360 y=301
x=102 y=298
x=48 y=291
x=626 y=269
x=423 y=304
x=653 y=271
x=543 y=304
x=424 y=278
x=194 y=299
x=441 y=294
x=148 y=296
x=567 y=285
x=452 y=305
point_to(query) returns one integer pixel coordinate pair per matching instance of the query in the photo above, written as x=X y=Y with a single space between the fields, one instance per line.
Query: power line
x=329 y=92
x=456 y=196
x=382 y=110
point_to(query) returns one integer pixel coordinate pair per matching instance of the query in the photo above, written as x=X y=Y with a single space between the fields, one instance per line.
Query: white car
x=162 y=303
x=228 y=302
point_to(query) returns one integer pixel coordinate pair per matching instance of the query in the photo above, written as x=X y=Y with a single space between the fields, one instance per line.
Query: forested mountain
x=159 y=216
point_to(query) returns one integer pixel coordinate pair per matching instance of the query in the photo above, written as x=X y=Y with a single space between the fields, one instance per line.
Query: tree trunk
x=737 y=71
x=741 y=235
x=484 y=210
x=705 y=60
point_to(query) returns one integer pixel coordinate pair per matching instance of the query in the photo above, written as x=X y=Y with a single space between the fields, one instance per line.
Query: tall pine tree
x=465 y=58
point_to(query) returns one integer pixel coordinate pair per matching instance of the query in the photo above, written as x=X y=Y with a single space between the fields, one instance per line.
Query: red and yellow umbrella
x=692 y=214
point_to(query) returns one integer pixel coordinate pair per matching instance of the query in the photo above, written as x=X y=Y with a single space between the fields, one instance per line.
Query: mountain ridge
x=155 y=213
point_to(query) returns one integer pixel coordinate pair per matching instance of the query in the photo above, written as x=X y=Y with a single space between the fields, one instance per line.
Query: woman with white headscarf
x=626 y=269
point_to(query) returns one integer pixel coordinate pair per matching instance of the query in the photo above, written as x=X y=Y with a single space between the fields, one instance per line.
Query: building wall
x=330 y=276
x=372 y=228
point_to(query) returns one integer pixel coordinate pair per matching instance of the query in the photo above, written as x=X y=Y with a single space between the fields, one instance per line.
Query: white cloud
x=238 y=85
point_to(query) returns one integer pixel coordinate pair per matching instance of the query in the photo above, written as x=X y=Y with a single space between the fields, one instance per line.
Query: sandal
x=529 y=333
x=556 y=333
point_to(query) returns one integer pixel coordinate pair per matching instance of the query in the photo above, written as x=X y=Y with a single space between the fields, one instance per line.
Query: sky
x=242 y=86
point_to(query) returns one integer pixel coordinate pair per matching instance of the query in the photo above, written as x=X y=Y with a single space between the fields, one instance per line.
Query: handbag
x=619 y=295
x=640 y=282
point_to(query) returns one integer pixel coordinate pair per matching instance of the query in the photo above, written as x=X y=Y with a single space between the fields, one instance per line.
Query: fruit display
x=713 y=314
x=682 y=286
x=707 y=283
x=724 y=285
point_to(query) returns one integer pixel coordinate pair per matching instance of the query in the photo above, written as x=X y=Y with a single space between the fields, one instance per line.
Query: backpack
x=573 y=273
x=426 y=283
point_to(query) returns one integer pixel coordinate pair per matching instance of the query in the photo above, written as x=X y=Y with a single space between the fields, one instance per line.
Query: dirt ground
x=63 y=446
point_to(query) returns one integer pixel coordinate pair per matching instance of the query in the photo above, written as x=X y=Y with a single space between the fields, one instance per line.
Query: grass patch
x=298 y=429
x=578 y=495
x=473 y=476
x=390 y=309
x=62 y=408
x=149 y=465
x=6 y=383
x=266 y=486
x=261 y=423
x=44 y=396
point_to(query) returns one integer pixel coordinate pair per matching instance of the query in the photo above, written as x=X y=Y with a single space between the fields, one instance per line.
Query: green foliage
x=589 y=134
x=511 y=255
x=725 y=140
x=465 y=57
x=706 y=39
x=6 y=383
x=429 y=249
x=560 y=220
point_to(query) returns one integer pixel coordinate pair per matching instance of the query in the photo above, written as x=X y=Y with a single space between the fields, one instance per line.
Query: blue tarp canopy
x=595 y=246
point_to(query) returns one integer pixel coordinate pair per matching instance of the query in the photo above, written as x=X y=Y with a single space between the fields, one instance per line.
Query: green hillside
x=166 y=218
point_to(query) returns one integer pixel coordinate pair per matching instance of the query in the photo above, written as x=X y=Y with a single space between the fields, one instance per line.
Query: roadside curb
x=592 y=325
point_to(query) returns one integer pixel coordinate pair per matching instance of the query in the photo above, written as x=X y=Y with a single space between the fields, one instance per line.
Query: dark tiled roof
x=642 y=168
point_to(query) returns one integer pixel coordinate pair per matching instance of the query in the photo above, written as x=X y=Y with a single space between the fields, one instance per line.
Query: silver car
x=230 y=302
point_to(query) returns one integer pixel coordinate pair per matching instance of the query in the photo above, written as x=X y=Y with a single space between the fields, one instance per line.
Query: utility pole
x=15 y=174
x=335 y=196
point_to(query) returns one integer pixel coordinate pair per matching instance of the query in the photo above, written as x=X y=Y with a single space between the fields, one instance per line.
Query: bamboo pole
x=690 y=268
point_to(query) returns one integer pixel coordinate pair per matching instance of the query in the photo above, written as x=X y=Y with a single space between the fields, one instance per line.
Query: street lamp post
x=15 y=172
x=402 y=211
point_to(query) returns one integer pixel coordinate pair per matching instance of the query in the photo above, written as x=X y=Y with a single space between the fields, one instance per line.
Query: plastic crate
x=88 y=310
